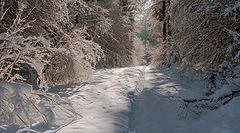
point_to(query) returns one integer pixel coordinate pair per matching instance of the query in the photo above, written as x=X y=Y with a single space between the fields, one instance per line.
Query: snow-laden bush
x=18 y=51
x=21 y=105
x=43 y=51
x=223 y=84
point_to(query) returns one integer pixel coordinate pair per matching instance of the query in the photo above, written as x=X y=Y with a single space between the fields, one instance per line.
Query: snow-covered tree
x=118 y=42
x=43 y=46
x=204 y=36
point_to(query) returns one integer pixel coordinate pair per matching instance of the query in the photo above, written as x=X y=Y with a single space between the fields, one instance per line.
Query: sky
x=141 y=15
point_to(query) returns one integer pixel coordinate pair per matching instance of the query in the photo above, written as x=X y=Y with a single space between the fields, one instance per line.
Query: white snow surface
x=104 y=103
x=142 y=100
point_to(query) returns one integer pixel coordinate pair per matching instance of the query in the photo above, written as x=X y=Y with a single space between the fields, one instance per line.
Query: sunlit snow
x=138 y=100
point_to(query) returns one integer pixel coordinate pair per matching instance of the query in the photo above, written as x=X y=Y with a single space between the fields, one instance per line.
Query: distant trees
x=118 y=43
x=160 y=12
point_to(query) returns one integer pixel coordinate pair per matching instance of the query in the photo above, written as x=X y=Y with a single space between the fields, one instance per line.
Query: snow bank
x=24 y=109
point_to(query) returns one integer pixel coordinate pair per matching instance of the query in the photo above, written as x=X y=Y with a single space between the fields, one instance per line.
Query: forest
x=108 y=66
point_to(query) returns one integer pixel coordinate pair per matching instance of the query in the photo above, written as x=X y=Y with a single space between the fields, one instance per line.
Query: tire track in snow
x=140 y=83
x=133 y=97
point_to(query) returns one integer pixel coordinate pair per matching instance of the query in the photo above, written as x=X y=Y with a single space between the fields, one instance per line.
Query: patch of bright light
x=148 y=4
x=141 y=15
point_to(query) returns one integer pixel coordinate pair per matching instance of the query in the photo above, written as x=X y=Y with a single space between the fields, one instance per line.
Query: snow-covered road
x=125 y=100
x=141 y=100
x=105 y=102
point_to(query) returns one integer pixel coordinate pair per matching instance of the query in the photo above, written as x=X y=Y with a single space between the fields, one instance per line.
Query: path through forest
x=139 y=100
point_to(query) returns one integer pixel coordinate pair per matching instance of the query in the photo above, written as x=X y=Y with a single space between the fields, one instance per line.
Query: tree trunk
x=164 y=21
